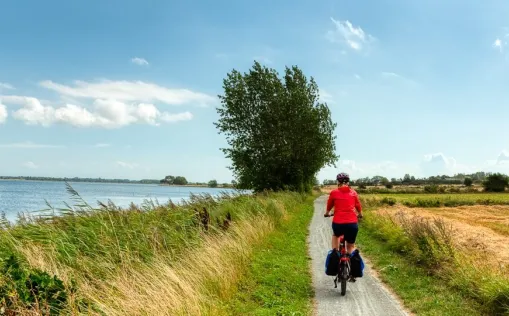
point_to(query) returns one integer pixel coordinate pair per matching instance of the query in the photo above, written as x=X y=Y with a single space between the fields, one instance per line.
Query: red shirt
x=344 y=200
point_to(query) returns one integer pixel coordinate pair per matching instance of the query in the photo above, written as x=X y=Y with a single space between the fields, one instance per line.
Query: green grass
x=433 y=277
x=423 y=294
x=278 y=279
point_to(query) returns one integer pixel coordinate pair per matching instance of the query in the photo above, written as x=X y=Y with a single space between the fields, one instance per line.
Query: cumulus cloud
x=356 y=170
x=129 y=91
x=503 y=158
x=127 y=165
x=498 y=44
x=30 y=165
x=6 y=86
x=105 y=113
x=29 y=145
x=139 y=61
x=345 y=32
x=3 y=113
x=437 y=163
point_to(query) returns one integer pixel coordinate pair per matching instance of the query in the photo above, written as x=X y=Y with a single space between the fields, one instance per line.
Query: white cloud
x=29 y=145
x=397 y=77
x=357 y=77
x=503 y=158
x=102 y=145
x=129 y=91
x=390 y=74
x=3 y=113
x=105 y=113
x=170 y=118
x=356 y=170
x=498 y=44
x=325 y=96
x=263 y=60
x=6 y=86
x=139 y=61
x=127 y=165
x=30 y=165
x=437 y=163
x=345 y=32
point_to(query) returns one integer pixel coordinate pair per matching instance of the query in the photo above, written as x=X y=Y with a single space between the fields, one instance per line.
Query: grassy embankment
x=156 y=260
x=426 y=261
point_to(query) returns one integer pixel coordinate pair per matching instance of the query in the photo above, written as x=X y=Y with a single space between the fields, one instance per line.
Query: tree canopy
x=279 y=133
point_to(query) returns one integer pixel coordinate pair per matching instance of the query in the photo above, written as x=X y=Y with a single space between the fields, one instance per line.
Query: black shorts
x=349 y=230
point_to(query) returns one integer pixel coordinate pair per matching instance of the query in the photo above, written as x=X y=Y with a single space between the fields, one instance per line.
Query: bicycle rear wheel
x=343 y=277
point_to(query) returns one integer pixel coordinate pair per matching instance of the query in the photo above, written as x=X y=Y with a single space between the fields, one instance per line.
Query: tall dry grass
x=429 y=243
x=153 y=260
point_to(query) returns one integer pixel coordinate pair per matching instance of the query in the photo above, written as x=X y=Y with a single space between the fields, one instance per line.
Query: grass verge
x=421 y=293
x=155 y=260
x=417 y=259
x=278 y=278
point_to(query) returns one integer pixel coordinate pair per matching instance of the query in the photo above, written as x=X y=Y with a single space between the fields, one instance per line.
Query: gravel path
x=365 y=297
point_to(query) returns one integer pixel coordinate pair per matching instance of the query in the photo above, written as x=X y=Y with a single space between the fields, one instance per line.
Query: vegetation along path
x=366 y=296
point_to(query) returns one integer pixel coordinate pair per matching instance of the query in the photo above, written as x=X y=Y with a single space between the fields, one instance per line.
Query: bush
x=496 y=182
x=468 y=182
x=389 y=185
x=431 y=188
x=389 y=201
x=30 y=289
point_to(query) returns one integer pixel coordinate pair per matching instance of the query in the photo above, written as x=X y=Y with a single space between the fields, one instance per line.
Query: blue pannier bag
x=332 y=262
x=356 y=264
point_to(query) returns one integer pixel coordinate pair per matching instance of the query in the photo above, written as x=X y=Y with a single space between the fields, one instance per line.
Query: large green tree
x=279 y=133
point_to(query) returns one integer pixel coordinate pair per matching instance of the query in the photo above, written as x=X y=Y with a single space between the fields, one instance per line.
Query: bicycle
x=344 y=272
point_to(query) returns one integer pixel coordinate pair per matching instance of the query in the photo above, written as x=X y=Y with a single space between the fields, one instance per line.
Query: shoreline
x=72 y=180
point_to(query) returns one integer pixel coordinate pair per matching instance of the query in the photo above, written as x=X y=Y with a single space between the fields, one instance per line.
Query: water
x=28 y=196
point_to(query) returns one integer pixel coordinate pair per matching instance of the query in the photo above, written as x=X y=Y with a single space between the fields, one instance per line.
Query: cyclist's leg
x=336 y=232
x=351 y=231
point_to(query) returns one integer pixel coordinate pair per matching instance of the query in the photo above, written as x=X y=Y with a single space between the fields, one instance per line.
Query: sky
x=128 y=89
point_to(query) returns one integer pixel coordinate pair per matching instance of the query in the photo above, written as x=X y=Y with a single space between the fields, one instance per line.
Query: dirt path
x=365 y=297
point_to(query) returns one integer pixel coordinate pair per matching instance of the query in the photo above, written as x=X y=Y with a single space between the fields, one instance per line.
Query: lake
x=27 y=196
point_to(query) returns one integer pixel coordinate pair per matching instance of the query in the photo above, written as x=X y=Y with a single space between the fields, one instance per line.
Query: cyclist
x=345 y=201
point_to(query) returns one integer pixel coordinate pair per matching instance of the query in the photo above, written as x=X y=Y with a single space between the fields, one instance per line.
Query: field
x=461 y=241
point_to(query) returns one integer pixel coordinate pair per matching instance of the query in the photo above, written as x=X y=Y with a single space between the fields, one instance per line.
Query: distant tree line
x=180 y=180
x=77 y=179
x=460 y=178
x=493 y=182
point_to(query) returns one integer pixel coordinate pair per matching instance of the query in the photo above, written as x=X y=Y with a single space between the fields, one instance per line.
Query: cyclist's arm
x=330 y=204
x=358 y=205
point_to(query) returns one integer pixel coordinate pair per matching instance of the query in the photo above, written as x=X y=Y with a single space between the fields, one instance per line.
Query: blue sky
x=128 y=88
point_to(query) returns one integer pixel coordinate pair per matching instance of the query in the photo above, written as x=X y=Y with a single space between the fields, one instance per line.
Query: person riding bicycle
x=345 y=201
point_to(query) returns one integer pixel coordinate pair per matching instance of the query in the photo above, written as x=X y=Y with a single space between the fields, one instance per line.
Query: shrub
x=431 y=188
x=389 y=185
x=30 y=289
x=468 y=182
x=388 y=201
x=496 y=182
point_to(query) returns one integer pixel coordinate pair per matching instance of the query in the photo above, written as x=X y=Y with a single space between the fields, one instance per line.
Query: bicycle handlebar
x=330 y=215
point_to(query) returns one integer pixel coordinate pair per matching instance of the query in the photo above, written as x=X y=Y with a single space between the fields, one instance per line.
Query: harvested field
x=476 y=227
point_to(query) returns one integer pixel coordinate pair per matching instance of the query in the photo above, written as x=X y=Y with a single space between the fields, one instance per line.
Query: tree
x=496 y=182
x=468 y=182
x=279 y=133
x=212 y=184
x=169 y=179
x=180 y=180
